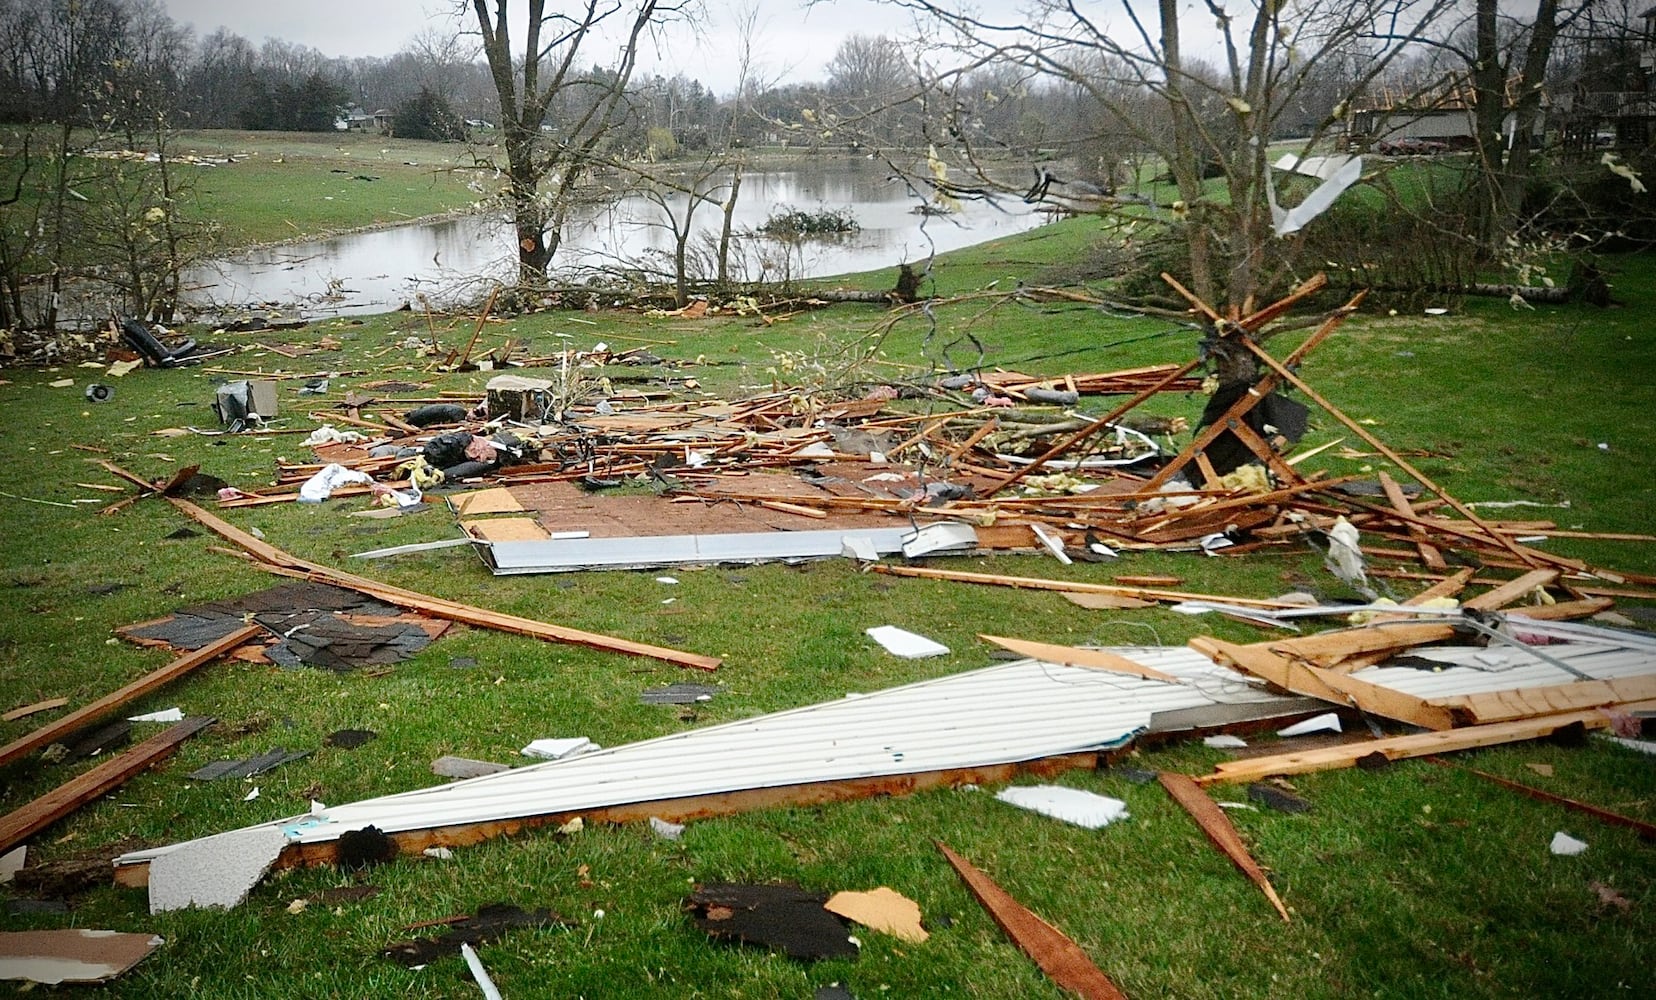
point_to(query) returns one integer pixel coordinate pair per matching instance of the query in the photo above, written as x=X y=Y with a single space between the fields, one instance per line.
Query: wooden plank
x=1512 y=590
x=1220 y=830
x=1523 y=703
x=1645 y=830
x=1401 y=747
x=1303 y=678
x=1076 y=657
x=144 y=685
x=1059 y=957
x=277 y=561
x=1327 y=648
x=1449 y=586
x=22 y=823
x=1429 y=553
x=24 y=711
x=1038 y=583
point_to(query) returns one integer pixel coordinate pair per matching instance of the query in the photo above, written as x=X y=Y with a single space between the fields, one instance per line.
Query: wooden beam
x=1074 y=656
x=22 y=823
x=1401 y=747
x=1512 y=590
x=1059 y=957
x=1220 y=830
x=144 y=685
x=1306 y=679
x=1429 y=553
x=1645 y=830
x=281 y=562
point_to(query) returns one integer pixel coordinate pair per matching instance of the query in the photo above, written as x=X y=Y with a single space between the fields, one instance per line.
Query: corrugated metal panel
x=1004 y=714
x=1600 y=654
x=560 y=555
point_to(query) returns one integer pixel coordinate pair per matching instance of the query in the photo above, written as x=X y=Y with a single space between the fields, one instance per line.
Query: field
x=1414 y=881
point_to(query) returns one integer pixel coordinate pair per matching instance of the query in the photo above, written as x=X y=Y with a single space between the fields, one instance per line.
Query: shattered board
x=781 y=916
x=313 y=623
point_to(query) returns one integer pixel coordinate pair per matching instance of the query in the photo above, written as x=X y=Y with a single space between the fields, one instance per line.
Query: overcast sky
x=795 y=42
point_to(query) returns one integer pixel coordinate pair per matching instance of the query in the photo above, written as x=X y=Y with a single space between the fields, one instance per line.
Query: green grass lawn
x=1416 y=881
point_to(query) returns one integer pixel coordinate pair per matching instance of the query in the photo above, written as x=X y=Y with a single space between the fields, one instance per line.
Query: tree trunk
x=729 y=208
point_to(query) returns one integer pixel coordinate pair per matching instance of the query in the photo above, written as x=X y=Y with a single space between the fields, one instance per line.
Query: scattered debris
x=217 y=871
x=1218 y=828
x=782 y=916
x=899 y=642
x=885 y=910
x=247 y=767
x=554 y=748
x=1059 y=957
x=71 y=956
x=679 y=694
x=1565 y=845
x=490 y=923
x=1328 y=722
x=1072 y=805
x=666 y=830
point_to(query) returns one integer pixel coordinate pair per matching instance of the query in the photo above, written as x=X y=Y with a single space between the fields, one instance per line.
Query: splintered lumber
x=22 y=823
x=1070 y=586
x=137 y=689
x=1645 y=830
x=1401 y=747
x=1523 y=703
x=282 y=563
x=1075 y=656
x=1219 y=829
x=1512 y=590
x=24 y=711
x=1059 y=957
x=1429 y=553
x=1314 y=682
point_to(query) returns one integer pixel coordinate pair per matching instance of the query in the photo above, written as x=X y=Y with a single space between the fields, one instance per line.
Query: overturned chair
x=138 y=337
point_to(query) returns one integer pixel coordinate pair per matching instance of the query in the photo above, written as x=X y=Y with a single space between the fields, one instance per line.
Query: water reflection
x=381 y=270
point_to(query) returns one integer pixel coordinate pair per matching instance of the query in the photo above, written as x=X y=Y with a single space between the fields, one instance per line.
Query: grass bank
x=1410 y=882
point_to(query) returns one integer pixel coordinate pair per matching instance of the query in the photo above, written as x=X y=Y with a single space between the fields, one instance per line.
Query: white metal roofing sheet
x=1014 y=712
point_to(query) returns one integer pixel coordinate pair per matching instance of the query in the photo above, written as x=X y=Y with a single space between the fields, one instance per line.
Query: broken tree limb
x=1220 y=830
x=144 y=685
x=30 y=819
x=278 y=561
x=1401 y=747
x=1059 y=957
x=1069 y=586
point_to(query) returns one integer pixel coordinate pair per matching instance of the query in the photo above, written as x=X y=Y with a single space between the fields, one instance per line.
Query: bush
x=822 y=222
x=427 y=116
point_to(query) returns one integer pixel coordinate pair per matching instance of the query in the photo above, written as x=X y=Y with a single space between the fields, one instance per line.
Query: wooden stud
x=1074 y=656
x=1219 y=830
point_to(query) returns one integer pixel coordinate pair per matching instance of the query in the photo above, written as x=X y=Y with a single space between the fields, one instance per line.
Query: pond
x=382 y=269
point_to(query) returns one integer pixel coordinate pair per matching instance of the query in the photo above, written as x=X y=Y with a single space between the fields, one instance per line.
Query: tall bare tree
x=555 y=117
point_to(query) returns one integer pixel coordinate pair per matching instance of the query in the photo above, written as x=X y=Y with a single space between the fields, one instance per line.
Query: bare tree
x=1199 y=121
x=554 y=117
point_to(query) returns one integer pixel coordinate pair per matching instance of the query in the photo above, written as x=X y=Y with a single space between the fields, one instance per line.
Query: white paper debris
x=667 y=579
x=1565 y=845
x=440 y=853
x=909 y=646
x=250 y=796
x=1225 y=741
x=1238 y=805
x=165 y=715
x=558 y=749
x=1072 y=805
x=12 y=862
x=321 y=486
x=666 y=830
x=1328 y=722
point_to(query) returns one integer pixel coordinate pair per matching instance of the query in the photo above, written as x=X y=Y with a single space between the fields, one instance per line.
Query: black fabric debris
x=247 y=767
x=87 y=742
x=491 y=923
x=365 y=848
x=679 y=694
x=350 y=739
x=436 y=413
x=1572 y=735
x=1227 y=452
x=781 y=916
x=447 y=450
x=1414 y=662
x=1372 y=488
x=1279 y=799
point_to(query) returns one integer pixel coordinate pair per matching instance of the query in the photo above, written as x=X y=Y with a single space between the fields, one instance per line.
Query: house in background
x=357 y=120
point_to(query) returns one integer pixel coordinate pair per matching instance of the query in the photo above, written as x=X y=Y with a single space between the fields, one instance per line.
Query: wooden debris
x=1059 y=957
x=1220 y=830
x=131 y=692
x=1401 y=747
x=1075 y=656
x=27 y=820
x=1639 y=826
x=24 y=711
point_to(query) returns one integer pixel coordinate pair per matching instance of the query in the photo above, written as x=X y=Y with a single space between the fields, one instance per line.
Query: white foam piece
x=900 y=642
x=1072 y=805
x=214 y=871
x=1566 y=845
x=1328 y=722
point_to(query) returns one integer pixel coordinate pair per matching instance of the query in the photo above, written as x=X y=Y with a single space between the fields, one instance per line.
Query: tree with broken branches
x=555 y=116
x=1209 y=126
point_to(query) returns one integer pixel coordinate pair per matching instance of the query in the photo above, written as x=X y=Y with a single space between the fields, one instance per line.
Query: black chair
x=139 y=338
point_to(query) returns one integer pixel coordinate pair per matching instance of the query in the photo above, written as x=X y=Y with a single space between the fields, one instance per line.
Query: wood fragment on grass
x=1220 y=830
x=1058 y=956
